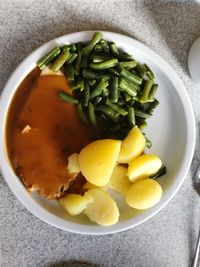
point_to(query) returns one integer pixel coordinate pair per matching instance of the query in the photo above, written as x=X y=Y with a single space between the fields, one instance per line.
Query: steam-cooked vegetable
x=144 y=194
x=98 y=159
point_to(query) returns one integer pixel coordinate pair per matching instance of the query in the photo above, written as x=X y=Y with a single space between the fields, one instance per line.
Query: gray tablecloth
x=169 y=238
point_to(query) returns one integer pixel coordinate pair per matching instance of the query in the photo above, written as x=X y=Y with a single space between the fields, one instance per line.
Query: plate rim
x=20 y=191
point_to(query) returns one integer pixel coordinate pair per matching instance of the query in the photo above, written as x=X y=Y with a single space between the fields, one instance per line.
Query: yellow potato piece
x=74 y=204
x=143 y=167
x=119 y=180
x=132 y=146
x=88 y=186
x=144 y=194
x=98 y=159
x=73 y=164
x=103 y=210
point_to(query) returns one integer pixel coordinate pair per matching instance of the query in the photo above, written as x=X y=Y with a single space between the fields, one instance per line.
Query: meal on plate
x=75 y=130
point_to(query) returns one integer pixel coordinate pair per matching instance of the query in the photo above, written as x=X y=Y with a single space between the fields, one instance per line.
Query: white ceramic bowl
x=172 y=131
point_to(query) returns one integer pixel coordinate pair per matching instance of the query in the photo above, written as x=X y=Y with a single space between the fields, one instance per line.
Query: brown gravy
x=39 y=157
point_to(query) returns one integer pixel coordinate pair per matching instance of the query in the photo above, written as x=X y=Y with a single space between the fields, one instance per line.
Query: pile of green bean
x=112 y=91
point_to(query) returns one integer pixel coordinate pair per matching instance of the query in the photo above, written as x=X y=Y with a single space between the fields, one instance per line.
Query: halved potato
x=88 y=186
x=119 y=180
x=73 y=164
x=144 y=194
x=98 y=159
x=103 y=209
x=132 y=146
x=74 y=204
x=143 y=167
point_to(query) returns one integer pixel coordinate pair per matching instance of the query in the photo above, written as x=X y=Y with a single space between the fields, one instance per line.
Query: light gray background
x=169 y=238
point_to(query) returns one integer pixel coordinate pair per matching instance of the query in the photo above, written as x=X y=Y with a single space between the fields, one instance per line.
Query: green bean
x=89 y=47
x=128 y=64
x=152 y=107
x=148 y=143
x=79 y=84
x=105 y=92
x=104 y=65
x=99 y=58
x=152 y=92
x=102 y=41
x=92 y=82
x=97 y=100
x=92 y=115
x=68 y=98
x=70 y=72
x=113 y=90
x=113 y=86
x=131 y=102
x=105 y=47
x=84 y=62
x=98 y=48
x=117 y=108
x=72 y=47
x=125 y=56
x=116 y=127
x=78 y=62
x=114 y=49
x=79 y=46
x=162 y=171
x=140 y=70
x=142 y=114
x=46 y=59
x=143 y=125
x=131 y=116
x=121 y=102
x=145 y=93
x=113 y=71
x=60 y=61
x=82 y=114
x=109 y=112
x=127 y=97
x=90 y=74
x=72 y=58
x=86 y=95
x=99 y=88
x=130 y=76
x=127 y=86
x=149 y=72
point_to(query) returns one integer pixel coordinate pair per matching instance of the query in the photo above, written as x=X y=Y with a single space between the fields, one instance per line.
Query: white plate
x=171 y=129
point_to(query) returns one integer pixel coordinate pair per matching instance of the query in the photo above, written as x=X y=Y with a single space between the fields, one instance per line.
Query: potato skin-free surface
x=143 y=167
x=74 y=204
x=144 y=194
x=98 y=159
x=132 y=146
x=119 y=180
x=103 y=209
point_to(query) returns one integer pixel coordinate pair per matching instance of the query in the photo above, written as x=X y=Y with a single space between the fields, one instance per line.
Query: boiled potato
x=98 y=159
x=132 y=146
x=88 y=186
x=73 y=164
x=74 y=204
x=144 y=194
x=103 y=210
x=143 y=167
x=119 y=180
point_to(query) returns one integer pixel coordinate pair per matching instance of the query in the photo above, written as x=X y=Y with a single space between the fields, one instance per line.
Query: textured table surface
x=169 y=238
